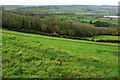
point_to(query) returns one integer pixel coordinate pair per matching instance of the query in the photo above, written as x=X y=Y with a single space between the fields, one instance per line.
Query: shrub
x=83 y=29
x=113 y=41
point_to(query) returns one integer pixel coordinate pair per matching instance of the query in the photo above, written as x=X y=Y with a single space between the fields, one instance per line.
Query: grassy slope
x=0 y=52
x=28 y=56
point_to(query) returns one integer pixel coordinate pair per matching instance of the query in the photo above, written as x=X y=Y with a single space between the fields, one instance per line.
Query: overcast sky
x=59 y=2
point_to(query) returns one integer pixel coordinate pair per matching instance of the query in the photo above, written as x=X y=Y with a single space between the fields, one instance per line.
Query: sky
x=59 y=2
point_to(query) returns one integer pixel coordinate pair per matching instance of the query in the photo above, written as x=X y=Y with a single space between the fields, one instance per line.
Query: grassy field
x=0 y=53
x=88 y=19
x=114 y=21
x=104 y=37
x=36 y=56
x=80 y=10
x=93 y=9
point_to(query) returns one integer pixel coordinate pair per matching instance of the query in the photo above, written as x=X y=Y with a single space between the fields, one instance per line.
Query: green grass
x=0 y=53
x=104 y=37
x=88 y=19
x=28 y=56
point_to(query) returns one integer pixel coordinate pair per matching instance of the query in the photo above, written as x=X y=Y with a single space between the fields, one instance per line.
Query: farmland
x=88 y=19
x=60 y=41
x=104 y=37
x=29 y=56
x=78 y=10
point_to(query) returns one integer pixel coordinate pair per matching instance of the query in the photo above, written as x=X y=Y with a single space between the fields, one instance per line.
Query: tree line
x=51 y=25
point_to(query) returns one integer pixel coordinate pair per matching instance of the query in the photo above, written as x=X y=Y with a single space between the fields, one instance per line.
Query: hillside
x=36 y=56
x=85 y=9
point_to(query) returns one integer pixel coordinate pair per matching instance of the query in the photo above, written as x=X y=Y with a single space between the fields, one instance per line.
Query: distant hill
x=104 y=9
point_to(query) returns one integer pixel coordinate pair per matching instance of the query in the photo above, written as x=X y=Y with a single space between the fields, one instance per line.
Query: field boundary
x=60 y=40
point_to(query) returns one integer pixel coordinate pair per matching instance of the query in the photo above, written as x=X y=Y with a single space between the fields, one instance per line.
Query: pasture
x=104 y=37
x=37 y=56
x=28 y=55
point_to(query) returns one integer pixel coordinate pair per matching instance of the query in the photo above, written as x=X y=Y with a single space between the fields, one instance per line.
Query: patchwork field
x=88 y=19
x=37 y=56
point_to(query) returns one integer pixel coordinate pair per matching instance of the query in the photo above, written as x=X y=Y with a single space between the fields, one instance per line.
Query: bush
x=101 y=24
x=83 y=29
x=113 y=41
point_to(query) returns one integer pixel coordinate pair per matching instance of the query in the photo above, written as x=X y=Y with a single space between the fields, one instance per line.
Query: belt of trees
x=100 y=23
x=52 y=25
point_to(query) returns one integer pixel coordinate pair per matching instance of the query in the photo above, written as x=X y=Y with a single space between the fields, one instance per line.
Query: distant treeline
x=52 y=25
